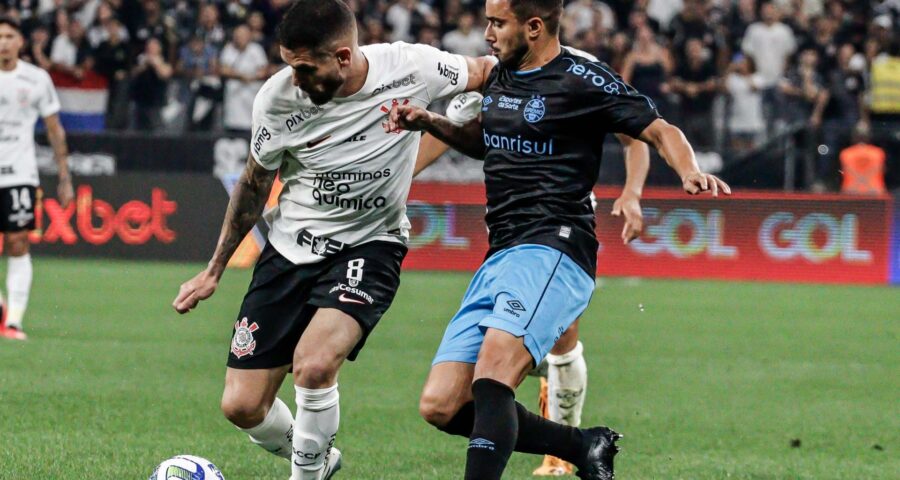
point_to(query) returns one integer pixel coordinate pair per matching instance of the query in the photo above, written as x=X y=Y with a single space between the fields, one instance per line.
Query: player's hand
x=194 y=290
x=698 y=182
x=629 y=205
x=64 y=192
x=407 y=117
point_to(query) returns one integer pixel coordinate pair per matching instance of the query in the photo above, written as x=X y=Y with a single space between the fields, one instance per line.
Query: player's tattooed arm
x=637 y=165
x=244 y=209
x=57 y=136
x=672 y=145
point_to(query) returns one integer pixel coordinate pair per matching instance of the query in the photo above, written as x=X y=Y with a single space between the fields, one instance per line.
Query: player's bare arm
x=672 y=145
x=57 y=136
x=244 y=209
x=430 y=149
x=479 y=70
x=637 y=164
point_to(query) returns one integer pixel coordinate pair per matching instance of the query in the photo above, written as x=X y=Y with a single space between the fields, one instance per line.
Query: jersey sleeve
x=445 y=74
x=613 y=104
x=266 y=145
x=48 y=101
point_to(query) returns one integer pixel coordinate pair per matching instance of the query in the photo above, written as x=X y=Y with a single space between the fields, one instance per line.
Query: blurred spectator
x=693 y=22
x=696 y=84
x=257 y=23
x=209 y=29
x=71 y=53
x=243 y=66
x=823 y=41
x=742 y=16
x=429 y=36
x=842 y=114
x=406 y=17
x=466 y=40
x=154 y=24
x=583 y=15
x=112 y=62
x=38 y=51
x=374 y=32
x=99 y=31
x=745 y=114
x=149 y=81
x=769 y=43
x=647 y=68
x=663 y=11
x=236 y=12
x=806 y=97
x=198 y=66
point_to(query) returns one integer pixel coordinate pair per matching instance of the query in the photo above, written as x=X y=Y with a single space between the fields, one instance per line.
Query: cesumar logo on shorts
x=341 y=287
x=534 y=110
x=400 y=82
x=243 y=343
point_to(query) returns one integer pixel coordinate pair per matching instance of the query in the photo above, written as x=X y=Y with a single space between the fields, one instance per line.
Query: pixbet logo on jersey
x=400 y=82
x=301 y=115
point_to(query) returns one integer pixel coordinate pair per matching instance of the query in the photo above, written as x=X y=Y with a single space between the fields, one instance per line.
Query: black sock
x=494 y=432
x=537 y=435
x=541 y=436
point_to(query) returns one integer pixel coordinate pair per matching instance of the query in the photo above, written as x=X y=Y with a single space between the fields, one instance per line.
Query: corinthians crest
x=243 y=343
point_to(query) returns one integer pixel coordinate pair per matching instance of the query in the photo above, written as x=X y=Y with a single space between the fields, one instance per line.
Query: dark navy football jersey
x=543 y=131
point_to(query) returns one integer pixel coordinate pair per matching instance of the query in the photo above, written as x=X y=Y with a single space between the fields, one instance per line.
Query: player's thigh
x=567 y=341
x=503 y=358
x=447 y=388
x=323 y=347
x=543 y=292
x=274 y=313
x=359 y=284
x=16 y=244
x=249 y=394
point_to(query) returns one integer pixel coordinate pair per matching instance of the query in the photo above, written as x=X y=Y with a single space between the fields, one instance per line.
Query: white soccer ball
x=186 y=467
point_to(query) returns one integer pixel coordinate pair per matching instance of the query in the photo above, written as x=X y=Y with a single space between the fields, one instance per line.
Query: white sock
x=275 y=432
x=567 y=380
x=18 y=286
x=318 y=415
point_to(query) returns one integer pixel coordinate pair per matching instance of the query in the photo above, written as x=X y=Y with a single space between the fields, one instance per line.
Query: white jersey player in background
x=338 y=235
x=26 y=94
x=563 y=373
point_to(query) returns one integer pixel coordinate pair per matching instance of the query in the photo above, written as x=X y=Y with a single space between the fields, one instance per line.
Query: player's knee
x=243 y=412
x=436 y=409
x=316 y=372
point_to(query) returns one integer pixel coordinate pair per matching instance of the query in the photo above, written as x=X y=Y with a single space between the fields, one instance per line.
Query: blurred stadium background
x=753 y=369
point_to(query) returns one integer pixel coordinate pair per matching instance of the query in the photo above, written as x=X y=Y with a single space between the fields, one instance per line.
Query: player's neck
x=540 y=54
x=8 y=65
x=359 y=71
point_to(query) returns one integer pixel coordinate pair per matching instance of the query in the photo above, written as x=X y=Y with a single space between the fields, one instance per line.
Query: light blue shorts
x=530 y=291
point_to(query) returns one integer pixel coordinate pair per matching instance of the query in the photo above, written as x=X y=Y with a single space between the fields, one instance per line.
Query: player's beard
x=517 y=52
x=330 y=86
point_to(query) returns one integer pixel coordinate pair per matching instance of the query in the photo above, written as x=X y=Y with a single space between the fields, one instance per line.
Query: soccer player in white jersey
x=26 y=94
x=337 y=237
x=563 y=372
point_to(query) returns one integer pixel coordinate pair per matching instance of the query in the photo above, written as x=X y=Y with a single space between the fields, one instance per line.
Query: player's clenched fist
x=407 y=117
x=192 y=291
x=698 y=182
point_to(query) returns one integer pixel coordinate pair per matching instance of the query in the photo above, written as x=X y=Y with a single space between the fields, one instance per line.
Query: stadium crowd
x=733 y=73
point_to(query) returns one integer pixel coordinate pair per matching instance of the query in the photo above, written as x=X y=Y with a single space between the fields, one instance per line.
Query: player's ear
x=534 y=27
x=343 y=56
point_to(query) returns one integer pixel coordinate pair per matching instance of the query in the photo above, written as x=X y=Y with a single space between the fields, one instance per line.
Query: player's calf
x=249 y=402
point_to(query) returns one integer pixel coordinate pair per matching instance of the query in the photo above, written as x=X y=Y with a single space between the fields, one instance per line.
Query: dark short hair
x=314 y=23
x=12 y=22
x=548 y=10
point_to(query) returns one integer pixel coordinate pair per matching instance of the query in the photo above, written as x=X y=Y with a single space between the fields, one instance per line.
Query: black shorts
x=360 y=281
x=17 y=208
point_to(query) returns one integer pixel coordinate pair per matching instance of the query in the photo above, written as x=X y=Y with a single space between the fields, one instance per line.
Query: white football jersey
x=26 y=93
x=345 y=180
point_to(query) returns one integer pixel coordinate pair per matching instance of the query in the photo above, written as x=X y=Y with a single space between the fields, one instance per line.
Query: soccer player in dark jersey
x=545 y=114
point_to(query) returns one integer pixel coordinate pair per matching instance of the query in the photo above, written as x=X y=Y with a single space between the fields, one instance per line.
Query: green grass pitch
x=708 y=380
